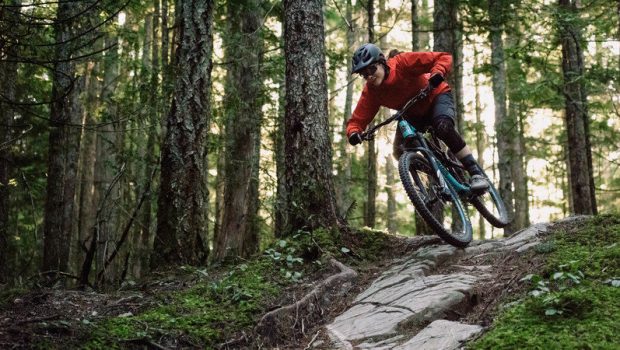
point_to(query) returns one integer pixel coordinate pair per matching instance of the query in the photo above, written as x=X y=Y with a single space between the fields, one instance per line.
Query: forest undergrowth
x=208 y=307
x=562 y=294
x=570 y=301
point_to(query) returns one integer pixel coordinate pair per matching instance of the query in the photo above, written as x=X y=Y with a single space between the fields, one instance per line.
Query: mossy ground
x=217 y=309
x=573 y=302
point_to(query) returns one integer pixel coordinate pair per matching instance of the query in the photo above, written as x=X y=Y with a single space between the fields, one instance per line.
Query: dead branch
x=38 y=319
x=145 y=194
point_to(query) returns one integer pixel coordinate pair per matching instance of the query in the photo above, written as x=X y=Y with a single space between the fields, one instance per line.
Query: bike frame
x=409 y=131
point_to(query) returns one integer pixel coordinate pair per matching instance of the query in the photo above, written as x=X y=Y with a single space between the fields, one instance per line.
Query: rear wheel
x=440 y=206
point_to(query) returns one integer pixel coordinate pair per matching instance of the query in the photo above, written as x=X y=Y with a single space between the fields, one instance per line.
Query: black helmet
x=366 y=55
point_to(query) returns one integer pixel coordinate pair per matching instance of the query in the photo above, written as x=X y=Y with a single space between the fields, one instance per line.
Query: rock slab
x=407 y=295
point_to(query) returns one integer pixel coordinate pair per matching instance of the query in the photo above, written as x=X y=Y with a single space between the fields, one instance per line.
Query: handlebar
x=370 y=133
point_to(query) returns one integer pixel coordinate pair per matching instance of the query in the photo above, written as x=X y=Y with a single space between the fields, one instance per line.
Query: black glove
x=355 y=139
x=435 y=80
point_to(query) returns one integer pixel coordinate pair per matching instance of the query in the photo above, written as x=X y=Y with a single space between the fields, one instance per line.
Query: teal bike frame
x=409 y=131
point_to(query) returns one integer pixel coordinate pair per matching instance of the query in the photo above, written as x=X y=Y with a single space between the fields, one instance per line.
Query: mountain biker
x=393 y=82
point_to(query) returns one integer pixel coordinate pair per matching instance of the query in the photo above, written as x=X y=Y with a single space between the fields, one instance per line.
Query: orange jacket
x=409 y=73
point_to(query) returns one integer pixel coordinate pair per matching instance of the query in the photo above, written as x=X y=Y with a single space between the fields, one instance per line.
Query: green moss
x=374 y=244
x=8 y=295
x=575 y=313
x=211 y=312
x=207 y=313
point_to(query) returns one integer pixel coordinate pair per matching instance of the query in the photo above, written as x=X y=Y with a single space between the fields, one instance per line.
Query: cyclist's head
x=365 y=56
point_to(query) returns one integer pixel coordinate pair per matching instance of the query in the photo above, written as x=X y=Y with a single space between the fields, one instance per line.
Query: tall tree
x=415 y=25
x=480 y=134
x=445 y=35
x=310 y=201
x=238 y=234
x=516 y=115
x=8 y=75
x=344 y=175
x=371 y=184
x=581 y=178
x=63 y=147
x=504 y=127
x=88 y=155
x=183 y=195
x=107 y=170
x=278 y=140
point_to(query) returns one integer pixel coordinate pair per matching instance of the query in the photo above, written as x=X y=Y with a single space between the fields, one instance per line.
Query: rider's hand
x=355 y=139
x=435 y=80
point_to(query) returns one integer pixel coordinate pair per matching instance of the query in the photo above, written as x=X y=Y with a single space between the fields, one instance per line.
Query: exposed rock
x=441 y=334
x=407 y=296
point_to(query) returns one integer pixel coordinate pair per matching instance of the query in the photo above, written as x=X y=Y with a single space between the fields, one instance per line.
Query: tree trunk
x=390 y=182
x=107 y=195
x=445 y=34
x=415 y=25
x=63 y=150
x=238 y=234
x=278 y=140
x=504 y=128
x=480 y=135
x=344 y=175
x=8 y=76
x=87 y=208
x=308 y=166
x=516 y=113
x=183 y=194
x=576 y=111
x=371 y=184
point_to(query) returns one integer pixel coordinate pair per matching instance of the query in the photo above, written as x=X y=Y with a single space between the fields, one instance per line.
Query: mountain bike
x=437 y=183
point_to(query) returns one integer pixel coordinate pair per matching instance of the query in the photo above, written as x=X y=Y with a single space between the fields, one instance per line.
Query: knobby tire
x=408 y=166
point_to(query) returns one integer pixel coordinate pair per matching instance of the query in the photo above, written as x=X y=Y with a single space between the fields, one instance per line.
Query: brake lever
x=368 y=136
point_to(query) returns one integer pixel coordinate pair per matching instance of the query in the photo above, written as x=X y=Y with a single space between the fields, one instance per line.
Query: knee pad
x=446 y=131
x=444 y=127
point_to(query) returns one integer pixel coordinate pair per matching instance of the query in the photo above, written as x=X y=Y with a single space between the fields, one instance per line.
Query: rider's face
x=374 y=74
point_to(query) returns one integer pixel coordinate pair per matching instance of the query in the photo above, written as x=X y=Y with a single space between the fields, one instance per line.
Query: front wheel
x=438 y=205
x=491 y=207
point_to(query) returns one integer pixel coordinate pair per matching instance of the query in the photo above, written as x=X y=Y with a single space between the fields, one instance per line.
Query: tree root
x=291 y=321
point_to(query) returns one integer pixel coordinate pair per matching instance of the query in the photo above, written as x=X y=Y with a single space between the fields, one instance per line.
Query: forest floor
x=223 y=306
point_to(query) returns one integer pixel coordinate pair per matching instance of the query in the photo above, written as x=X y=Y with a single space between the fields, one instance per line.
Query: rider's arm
x=366 y=109
x=418 y=63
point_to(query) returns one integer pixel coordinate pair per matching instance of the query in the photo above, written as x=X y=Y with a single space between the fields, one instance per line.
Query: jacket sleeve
x=418 y=63
x=365 y=111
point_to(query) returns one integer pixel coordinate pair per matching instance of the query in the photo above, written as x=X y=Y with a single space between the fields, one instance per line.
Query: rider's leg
x=444 y=126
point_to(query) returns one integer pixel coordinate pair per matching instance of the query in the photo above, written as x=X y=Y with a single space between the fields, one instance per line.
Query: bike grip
x=355 y=139
x=435 y=80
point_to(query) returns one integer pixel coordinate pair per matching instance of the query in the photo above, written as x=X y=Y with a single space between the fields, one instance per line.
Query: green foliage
x=207 y=313
x=230 y=298
x=572 y=304
x=285 y=253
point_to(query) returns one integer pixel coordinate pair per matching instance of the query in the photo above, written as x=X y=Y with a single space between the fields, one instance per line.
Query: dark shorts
x=443 y=109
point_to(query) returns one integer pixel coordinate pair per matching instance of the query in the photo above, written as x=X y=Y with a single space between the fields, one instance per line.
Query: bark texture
x=576 y=111
x=183 y=196
x=504 y=127
x=310 y=201
x=238 y=234
x=63 y=149
x=371 y=165
x=344 y=173
x=8 y=76
x=446 y=36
